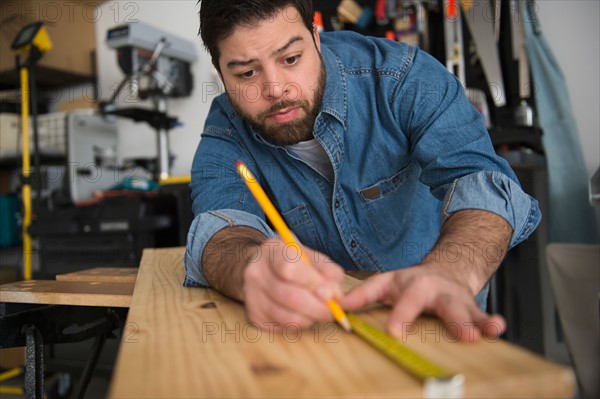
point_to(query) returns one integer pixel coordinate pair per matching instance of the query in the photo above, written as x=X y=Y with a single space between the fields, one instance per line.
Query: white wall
x=571 y=28
x=179 y=18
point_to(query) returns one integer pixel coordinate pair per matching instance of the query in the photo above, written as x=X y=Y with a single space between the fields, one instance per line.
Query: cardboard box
x=70 y=25
x=76 y=104
x=12 y=358
x=8 y=274
x=10 y=176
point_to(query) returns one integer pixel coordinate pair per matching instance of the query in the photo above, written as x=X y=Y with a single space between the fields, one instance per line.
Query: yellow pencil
x=285 y=233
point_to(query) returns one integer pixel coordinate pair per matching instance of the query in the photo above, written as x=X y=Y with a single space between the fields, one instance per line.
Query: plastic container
x=10 y=214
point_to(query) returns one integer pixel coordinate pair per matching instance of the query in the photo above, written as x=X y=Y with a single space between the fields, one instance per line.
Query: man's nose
x=273 y=86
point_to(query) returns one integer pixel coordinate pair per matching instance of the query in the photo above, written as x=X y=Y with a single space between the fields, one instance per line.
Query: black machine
x=112 y=232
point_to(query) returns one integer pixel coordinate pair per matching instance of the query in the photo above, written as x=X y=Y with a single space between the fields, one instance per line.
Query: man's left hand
x=431 y=290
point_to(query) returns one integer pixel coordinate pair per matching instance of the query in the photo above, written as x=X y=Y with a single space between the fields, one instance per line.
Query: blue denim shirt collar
x=335 y=98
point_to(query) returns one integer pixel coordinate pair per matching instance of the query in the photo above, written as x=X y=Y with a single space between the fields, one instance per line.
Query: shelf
x=14 y=162
x=515 y=135
x=50 y=78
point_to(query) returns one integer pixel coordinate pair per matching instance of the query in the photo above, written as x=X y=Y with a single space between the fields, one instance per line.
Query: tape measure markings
x=410 y=360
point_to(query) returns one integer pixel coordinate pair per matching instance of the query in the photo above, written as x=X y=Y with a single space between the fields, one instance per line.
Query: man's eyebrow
x=287 y=45
x=236 y=63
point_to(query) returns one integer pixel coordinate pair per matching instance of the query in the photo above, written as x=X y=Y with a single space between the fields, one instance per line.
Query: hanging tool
x=524 y=111
x=318 y=21
x=453 y=36
x=497 y=4
x=483 y=35
x=380 y=13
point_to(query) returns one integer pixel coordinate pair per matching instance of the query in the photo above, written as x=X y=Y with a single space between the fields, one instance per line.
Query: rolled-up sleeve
x=203 y=228
x=497 y=193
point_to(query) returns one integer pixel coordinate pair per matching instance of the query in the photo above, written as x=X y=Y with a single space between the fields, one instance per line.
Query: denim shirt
x=407 y=149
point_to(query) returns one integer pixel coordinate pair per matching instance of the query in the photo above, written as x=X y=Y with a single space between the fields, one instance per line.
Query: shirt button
x=337 y=204
x=353 y=244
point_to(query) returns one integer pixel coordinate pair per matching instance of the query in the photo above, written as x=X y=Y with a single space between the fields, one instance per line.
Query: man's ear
x=216 y=66
x=316 y=38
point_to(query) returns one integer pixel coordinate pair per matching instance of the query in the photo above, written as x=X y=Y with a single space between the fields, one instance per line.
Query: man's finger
x=264 y=311
x=461 y=317
x=298 y=300
x=411 y=303
x=331 y=272
x=293 y=268
x=371 y=291
x=491 y=326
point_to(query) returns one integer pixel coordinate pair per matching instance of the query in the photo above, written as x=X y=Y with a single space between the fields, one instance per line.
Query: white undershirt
x=313 y=154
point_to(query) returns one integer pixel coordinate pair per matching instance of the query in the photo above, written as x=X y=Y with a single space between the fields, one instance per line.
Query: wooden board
x=102 y=274
x=191 y=342
x=77 y=293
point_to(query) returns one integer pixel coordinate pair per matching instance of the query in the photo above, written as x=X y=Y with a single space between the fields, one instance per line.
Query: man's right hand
x=279 y=287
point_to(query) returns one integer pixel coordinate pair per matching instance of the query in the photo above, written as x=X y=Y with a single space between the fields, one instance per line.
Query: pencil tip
x=345 y=323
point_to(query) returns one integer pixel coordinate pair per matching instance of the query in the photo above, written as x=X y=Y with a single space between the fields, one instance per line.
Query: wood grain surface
x=78 y=293
x=102 y=274
x=191 y=342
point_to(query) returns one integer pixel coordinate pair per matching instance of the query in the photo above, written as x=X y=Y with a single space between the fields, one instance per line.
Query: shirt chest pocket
x=388 y=200
x=301 y=224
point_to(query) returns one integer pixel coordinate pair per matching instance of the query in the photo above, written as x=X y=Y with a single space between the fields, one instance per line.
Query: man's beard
x=290 y=132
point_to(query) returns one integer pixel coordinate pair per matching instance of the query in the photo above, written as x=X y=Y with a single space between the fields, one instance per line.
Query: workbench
x=73 y=308
x=191 y=342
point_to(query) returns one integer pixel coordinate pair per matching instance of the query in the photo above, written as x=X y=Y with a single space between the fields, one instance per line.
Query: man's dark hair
x=219 y=18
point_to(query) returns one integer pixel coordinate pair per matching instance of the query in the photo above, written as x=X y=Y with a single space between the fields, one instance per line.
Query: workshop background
x=571 y=28
x=101 y=195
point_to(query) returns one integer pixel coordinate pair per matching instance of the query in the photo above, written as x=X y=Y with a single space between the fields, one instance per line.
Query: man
x=374 y=157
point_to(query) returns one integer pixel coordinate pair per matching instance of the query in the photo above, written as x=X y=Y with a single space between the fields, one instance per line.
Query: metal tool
x=149 y=54
x=483 y=35
x=524 y=115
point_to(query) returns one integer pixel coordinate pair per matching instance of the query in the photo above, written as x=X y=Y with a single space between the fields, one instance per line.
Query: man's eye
x=247 y=74
x=292 y=60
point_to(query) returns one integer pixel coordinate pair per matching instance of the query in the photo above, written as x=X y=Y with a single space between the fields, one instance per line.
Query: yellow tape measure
x=439 y=382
